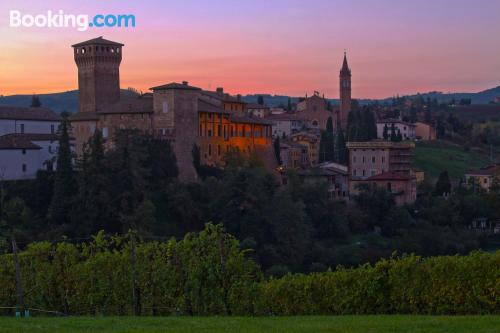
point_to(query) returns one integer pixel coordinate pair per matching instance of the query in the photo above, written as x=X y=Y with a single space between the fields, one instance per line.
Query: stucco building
x=406 y=129
x=483 y=178
x=384 y=164
x=424 y=131
x=28 y=141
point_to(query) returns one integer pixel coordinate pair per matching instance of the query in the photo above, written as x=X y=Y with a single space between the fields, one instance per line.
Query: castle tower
x=98 y=61
x=345 y=92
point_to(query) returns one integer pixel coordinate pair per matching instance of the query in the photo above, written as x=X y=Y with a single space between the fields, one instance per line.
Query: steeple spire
x=345 y=67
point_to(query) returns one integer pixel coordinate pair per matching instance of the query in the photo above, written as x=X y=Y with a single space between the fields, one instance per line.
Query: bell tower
x=345 y=92
x=98 y=61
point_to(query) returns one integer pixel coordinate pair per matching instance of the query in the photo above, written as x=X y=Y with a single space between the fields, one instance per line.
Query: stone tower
x=345 y=92
x=98 y=61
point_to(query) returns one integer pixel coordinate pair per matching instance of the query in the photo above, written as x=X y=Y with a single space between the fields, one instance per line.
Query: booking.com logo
x=61 y=20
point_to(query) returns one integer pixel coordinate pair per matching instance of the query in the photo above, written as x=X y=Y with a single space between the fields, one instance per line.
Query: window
x=389 y=187
x=373 y=159
x=209 y=149
x=165 y=107
x=354 y=159
x=354 y=172
x=383 y=159
x=363 y=172
x=219 y=130
x=24 y=168
x=52 y=129
x=218 y=150
x=22 y=128
x=24 y=151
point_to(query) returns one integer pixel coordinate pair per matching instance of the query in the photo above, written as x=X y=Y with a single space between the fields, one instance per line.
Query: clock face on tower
x=345 y=83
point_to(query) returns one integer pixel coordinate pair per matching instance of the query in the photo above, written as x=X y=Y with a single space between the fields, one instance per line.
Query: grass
x=436 y=156
x=331 y=324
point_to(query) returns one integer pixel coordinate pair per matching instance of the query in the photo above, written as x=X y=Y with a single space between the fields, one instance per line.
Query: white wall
x=407 y=131
x=12 y=160
x=8 y=126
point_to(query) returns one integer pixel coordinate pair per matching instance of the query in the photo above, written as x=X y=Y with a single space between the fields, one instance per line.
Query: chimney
x=185 y=83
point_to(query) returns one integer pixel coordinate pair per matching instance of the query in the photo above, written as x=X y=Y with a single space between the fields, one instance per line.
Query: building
x=28 y=141
x=383 y=164
x=424 y=131
x=345 y=92
x=310 y=140
x=293 y=155
x=257 y=110
x=333 y=174
x=483 y=178
x=286 y=124
x=179 y=113
x=406 y=129
x=315 y=111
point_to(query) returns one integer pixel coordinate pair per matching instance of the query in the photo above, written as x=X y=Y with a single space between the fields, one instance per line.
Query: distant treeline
x=207 y=273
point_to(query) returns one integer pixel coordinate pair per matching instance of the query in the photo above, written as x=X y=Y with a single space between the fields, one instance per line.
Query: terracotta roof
x=389 y=175
x=97 y=41
x=249 y=120
x=285 y=116
x=395 y=121
x=175 y=85
x=256 y=106
x=129 y=105
x=24 y=113
x=17 y=141
x=490 y=170
x=205 y=106
x=84 y=116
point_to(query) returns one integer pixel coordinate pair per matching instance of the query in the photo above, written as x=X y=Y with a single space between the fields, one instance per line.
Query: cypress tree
x=394 y=137
x=340 y=147
x=277 y=150
x=64 y=184
x=386 y=132
x=35 y=101
x=443 y=184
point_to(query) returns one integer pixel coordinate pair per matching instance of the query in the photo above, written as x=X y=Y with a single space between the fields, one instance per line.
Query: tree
x=399 y=137
x=277 y=150
x=91 y=210
x=386 y=132
x=394 y=136
x=443 y=184
x=340 y=147
x=64 y=183
x=35 y=101
x=260 y=100
x=289 y=104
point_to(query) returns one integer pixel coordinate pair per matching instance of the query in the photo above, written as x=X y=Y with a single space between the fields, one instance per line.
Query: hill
x=68 y=101
x=59 y=102
x=436 y=156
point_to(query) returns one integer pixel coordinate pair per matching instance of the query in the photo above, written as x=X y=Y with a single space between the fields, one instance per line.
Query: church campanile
x=345 y=92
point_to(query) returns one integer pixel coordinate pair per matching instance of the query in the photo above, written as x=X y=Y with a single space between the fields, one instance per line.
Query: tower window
x=24 y=167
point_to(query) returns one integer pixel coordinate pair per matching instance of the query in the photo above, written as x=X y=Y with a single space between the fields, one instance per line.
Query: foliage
x=208 y=274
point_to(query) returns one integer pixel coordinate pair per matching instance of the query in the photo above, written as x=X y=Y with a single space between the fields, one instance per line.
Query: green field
x=342 y=324
x=436 y=156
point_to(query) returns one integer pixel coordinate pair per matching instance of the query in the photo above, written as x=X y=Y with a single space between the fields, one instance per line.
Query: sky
x=287 y=47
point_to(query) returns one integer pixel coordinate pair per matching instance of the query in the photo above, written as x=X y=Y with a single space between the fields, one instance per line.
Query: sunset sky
x=278 y=47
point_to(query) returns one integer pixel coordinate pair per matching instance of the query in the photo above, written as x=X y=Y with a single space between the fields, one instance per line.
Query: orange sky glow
x=277 y=47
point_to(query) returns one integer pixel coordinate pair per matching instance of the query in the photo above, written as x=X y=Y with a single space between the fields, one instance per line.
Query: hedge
x=208 y=274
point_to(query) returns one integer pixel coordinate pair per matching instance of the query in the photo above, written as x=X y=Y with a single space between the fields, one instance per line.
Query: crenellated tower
x=98 y=61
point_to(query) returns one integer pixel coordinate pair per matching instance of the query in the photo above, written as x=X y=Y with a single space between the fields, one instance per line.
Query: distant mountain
x=482 y=97
x=68 y=101
x=59 y=102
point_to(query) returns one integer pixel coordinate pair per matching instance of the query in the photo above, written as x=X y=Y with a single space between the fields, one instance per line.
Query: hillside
x=59 y=102
x=436 y=156
x=68 y=101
